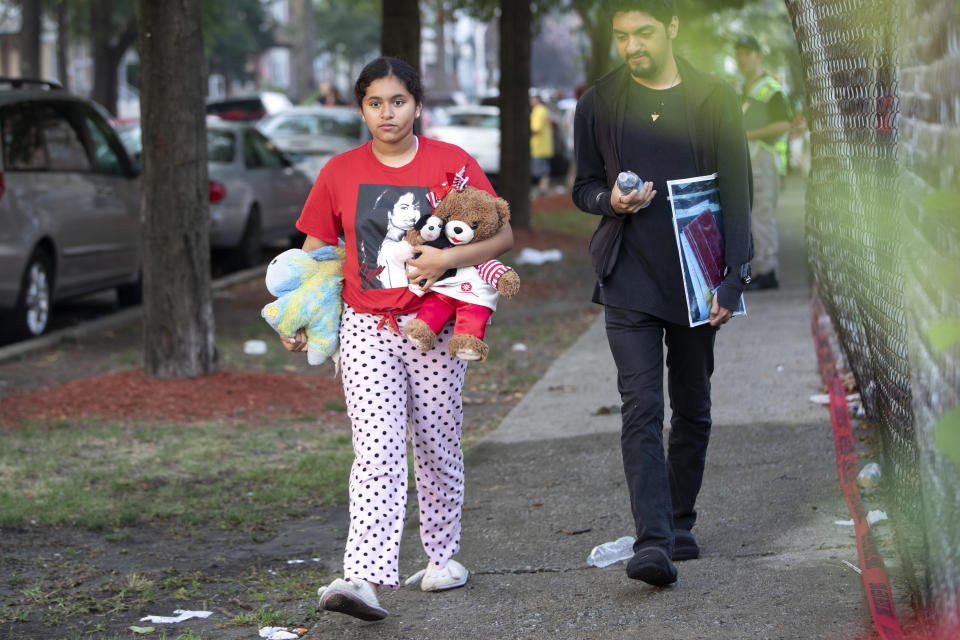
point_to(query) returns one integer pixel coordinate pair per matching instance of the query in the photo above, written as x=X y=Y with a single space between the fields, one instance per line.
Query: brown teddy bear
x=466 y=215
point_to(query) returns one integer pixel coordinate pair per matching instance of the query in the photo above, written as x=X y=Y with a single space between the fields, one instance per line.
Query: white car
x=310 y=136
x=475 y=129
x=256 y=194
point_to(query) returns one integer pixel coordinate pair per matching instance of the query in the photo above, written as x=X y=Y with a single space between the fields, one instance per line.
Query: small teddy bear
x=471 y=293
x=307 y=286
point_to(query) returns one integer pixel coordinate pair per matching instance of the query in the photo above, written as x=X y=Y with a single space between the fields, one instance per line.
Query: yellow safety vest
x=762 y=92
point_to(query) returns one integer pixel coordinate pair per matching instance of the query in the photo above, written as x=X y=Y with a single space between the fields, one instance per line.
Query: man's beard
x=651 y=70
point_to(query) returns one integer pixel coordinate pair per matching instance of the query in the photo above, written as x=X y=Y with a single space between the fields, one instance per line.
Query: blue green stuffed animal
x=308 y=287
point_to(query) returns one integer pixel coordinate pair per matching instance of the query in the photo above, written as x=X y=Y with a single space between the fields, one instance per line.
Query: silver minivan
x=69 y=205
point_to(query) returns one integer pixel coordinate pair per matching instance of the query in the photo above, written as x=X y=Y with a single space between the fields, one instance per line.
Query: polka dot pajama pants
x=389 y=383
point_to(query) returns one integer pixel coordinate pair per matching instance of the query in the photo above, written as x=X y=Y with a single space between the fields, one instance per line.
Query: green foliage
x=350 y=28
x=946 y=435
x=233 y=32
x=944 y=333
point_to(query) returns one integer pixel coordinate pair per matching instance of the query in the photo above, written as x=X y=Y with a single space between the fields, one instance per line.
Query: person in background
x=389 y=385
x=767 y=118
x=541 y=144
x=328 y=96
x=661 y=118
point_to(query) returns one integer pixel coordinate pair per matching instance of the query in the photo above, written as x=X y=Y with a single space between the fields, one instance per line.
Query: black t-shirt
x=646 y=276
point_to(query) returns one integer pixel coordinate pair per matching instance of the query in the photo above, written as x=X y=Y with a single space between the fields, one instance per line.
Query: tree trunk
x=514 y=181
x=63 y=44
x=599 y=63
x=30 y=31
x=178 y=325
x=106 y=54
x=400 y=34
x=304 y=48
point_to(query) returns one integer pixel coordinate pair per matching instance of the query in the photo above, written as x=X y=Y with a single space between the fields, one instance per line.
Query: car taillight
x=217 y=191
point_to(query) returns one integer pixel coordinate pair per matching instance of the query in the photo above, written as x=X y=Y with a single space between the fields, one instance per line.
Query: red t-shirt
x=371 y=206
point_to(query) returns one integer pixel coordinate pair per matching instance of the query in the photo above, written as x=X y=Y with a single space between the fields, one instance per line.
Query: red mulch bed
x=225 y=395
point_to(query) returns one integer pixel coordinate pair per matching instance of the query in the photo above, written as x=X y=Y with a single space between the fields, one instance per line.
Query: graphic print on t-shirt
x=384 y=215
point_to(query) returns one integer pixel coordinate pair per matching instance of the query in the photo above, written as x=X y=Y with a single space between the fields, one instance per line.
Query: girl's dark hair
x=386 y=66
x=662 y=10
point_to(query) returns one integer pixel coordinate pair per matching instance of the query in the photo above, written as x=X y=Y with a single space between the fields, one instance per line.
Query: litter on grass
x=277 y=633
x=873 y=517
x=255 y=347
x=179 y=615
x=528 y=255
x=299 y=561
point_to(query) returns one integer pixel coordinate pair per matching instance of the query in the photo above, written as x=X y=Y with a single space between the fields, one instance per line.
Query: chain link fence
x=882 y=80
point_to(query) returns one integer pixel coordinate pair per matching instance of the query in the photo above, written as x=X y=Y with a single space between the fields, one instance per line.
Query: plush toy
x=465 y=215
x=307 y=286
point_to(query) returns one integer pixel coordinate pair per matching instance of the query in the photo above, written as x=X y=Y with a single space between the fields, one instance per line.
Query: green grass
x=113 y=476
x=569 y=221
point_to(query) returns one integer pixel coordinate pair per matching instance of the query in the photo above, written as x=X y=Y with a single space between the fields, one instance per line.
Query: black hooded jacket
x=719 y=144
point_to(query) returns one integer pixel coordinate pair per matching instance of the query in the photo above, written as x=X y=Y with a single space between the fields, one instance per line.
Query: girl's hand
x=427 y=265
x=297 y=343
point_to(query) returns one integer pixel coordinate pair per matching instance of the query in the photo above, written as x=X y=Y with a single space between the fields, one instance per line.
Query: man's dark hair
x=386 y=66
x=662 y=10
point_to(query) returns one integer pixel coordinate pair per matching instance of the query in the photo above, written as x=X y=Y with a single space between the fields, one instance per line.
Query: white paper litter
x=873 y=517
x=528 y=255
x=181 y=615
x=255 y=347
x=519 y=346
x=277 y=633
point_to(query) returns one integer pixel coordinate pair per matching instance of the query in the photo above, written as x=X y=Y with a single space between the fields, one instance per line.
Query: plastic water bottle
x=628 y=181
x=869 y=476
x=609 y=552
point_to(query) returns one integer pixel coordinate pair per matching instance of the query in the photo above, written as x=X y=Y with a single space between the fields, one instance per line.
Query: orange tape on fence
x=876 y=583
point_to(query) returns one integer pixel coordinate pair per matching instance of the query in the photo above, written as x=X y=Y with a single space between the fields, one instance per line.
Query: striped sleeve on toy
x=491 y=270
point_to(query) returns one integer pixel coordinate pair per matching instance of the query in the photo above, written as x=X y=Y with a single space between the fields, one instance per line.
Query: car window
x=40 y=137
x=104 y=152
x=220 y=145
x=481 y=120
x=340 y=125
x=292 y=124
x=23 y=148
x=65 y=150
x=259 y=151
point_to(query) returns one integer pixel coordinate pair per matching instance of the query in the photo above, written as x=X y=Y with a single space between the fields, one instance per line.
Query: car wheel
x=130 y=294
x=32 y=312
x=250 y=250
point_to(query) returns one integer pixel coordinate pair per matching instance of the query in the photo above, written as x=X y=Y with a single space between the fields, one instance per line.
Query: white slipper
x=453 y=575
x=353 y=597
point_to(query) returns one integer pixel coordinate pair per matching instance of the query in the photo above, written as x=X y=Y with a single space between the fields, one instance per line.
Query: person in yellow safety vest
x=766 y=117
x=541 y=144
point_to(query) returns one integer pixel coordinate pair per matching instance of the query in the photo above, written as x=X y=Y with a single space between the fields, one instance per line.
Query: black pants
x=662 y=491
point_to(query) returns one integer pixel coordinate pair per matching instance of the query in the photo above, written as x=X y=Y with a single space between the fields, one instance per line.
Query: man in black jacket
x=661 y=118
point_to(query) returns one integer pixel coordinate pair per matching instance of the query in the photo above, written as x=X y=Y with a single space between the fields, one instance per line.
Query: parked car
x=475 y=129
x=310 y=136
x=69 y=205
x=248 y=107
x=256 y=194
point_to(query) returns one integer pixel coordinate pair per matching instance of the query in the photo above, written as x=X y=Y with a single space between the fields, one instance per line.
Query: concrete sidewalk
x=772 y=563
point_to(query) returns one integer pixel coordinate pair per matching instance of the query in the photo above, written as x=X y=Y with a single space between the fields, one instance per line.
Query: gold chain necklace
x=676 y=78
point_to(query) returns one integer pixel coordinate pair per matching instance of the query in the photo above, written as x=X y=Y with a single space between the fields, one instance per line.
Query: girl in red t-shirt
x=369 y=197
